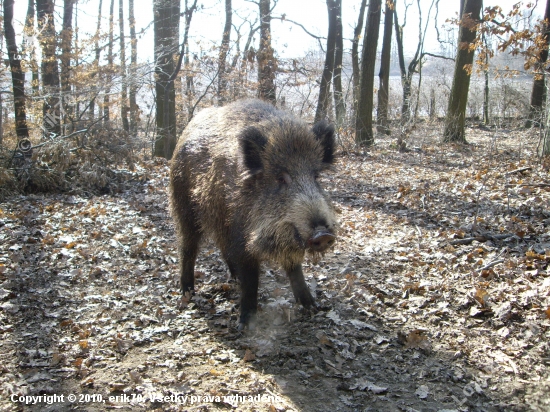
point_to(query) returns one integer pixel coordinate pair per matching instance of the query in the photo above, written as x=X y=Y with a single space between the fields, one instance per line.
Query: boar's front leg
x=299 y=287
x=248 y=271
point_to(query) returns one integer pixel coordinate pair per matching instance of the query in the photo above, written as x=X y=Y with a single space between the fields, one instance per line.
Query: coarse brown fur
x=245 y=175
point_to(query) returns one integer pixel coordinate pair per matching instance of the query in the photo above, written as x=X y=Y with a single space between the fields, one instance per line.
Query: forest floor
x=435 y=298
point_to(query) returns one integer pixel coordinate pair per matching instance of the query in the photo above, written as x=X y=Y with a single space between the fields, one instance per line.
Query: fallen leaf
x=417 y=340
x=249 y=356
x=482 y=296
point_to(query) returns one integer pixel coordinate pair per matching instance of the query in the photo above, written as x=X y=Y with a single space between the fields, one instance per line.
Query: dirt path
x=437 y=297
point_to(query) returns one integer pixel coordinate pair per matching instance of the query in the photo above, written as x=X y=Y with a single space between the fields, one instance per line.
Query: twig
x=481 y=238
x=62 y=137
x=491 y=264
x=521 y=169
x=529 y=185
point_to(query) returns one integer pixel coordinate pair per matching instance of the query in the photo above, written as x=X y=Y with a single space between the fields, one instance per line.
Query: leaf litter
x=436 y=297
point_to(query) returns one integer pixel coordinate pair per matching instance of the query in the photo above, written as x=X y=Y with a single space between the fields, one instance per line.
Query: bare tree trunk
x=326 y=78
x=405 y=80
x=339 y=105
x=222 y=76
x=95 y=63
x=50 y=70
x=538 y=93
x=1 y=96
x=189 y=85
x=486 y=119
x=66 y=49
x=107 y=97
x=266 y=59
x=246 y=57
x=166 y=28
x=363 y=125
x=133 y=71
x=123 y=75
x=456 y=113
x=545 y=148
x=356 y=75
x=384 y=74
x=29 y=34
x=17 y=75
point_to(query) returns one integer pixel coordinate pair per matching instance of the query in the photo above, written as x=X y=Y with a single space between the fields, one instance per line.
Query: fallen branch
x=481 y=238
x=62 y=137
x=491 y=264
x=510 y=185
x=521 y=169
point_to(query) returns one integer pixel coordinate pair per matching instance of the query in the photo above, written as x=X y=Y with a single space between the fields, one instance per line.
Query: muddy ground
x=435 y=298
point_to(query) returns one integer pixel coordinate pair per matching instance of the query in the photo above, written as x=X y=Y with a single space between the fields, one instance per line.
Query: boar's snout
x=321 y=240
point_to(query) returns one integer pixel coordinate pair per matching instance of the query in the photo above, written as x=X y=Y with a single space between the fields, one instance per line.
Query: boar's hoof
x=321 y=241
x=247 y=323
x=190 y=289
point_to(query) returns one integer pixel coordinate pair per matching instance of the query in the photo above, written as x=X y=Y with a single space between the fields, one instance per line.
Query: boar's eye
x=284 y=179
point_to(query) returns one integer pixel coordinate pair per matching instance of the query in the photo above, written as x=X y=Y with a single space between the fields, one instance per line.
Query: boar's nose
x=321 y=240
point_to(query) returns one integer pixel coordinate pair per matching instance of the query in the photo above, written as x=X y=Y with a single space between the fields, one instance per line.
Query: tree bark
x=456 y=113
x=109 y=80
x=538 y=93
x=17 y=75
x=166 y=28
x=123 y=74
x=29 y=31
x=363 y=125
x=226 y=36
x=189 y=84
x=66 y=50
x=95 y=63
x=266 y=59
x=50 y=70
x=133 y=71
x=326 y=79
x=339 y=105
x=384 y=74
x=356 y=75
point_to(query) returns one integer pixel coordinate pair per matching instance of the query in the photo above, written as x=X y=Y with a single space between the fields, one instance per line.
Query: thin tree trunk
x=66 y=49
x=363 y=126
x=266 y=59
x=123 y=75
x=166 y=28
x=189 y=85
x=384 y=74
x=339 y=105
x=486 y=119
x=545 y=148
x=1 y=94
x=95 y=63
x=50 y=70
x=107 y=98
x=538 y=93
x=17 y=75
x=356 y=75
x=402 y=69
x=29 y=34
x=222 y=76
x=133 y=71
x=456 y=113
x=326 y=78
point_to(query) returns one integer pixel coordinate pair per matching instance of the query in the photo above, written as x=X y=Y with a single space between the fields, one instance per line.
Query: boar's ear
x=325 y=134
x=252 y=143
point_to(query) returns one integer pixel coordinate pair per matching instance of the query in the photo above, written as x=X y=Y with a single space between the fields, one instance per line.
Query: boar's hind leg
x=189 y=246
x=248 y=271
x=299 y=287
